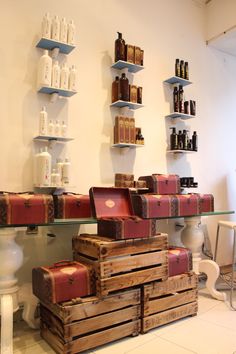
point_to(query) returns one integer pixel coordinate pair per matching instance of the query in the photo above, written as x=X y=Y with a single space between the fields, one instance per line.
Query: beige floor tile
x=38 y=348
x=123 y=345
x=159 y=346
x=203 y=337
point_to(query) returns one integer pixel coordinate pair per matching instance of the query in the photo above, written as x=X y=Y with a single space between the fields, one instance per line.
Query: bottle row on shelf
x=51 y=127
x=45 y=175
x=127 y=52
x=122 y=90
x=181 y=141
x=58 y=30
x=179 y=103
x=182 y=69
x=126 y=132
x=50 y=74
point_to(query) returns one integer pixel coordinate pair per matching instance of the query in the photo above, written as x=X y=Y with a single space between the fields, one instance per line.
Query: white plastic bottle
x=44 y=70
x=71 y=33
x=59 y=166
x=43 y=122
x=43 y=168
x=63 y=30
x=73 y=79
x=64 y=82
x=51 y=128
x=35 y=169
x=57 y=128
x=55 y=178
x=66 y=172
x=55 y=28
x=46 y=26
x=63 y=130
x=56 y=72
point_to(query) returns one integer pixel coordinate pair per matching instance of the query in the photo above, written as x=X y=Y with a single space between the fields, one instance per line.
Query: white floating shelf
x=50 y=44
x=178 y=80
x=52 y=138
x=54 y=187
x=121 y=64
x=180 y=151
x=126 y=145
x=180 y=115
x=131 y=105
x=58 y=91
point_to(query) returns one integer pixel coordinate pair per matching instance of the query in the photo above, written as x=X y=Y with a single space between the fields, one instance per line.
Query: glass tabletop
x=67 y=222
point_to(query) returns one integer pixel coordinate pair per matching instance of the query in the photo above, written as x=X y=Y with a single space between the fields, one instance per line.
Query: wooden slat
x=93 y=340
x=103 y=248
x=171 y=285
x=168 y=316
x=92 y=306
x=171 y=301
x=106 y=285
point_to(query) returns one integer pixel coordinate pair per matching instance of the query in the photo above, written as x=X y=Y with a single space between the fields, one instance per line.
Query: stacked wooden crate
x=133 y=291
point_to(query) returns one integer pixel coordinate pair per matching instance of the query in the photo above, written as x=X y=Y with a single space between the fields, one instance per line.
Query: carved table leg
x=11 y=259
x=193 y=237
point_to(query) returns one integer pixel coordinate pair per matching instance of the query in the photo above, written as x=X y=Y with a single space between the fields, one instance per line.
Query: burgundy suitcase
x=113 y=209
x=162 y=184
x=206 y=203
x=63 y=281
x=163 y=206
x=179 y=260
x=155 y=205
x=72 y=206
x=26 y=208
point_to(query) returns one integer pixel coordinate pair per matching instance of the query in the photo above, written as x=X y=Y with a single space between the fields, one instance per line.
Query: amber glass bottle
x=124 y=88
x=119 y=48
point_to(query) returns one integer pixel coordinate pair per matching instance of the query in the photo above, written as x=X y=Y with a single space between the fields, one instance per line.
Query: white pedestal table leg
x=11 y=259
x=193 y=237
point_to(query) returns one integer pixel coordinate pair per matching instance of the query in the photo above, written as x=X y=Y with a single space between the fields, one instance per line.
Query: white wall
x=165 y=30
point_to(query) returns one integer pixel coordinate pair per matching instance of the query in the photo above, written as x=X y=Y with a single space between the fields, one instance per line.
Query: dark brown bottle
x=177 y=67
x=182 y=69
x=180 y=140
x=115 y=90
x=124 y=88
x=176 y=100
x=181 y=99
x=173 y=139
x=139 y=95
x=186 y=107
x=186 y=71
x=119 y=48
x=194 y=141
x=185 y=139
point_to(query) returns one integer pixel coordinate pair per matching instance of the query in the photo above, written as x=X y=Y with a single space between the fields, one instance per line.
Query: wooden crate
x=168 y=301
x=74 y=327
x=123 y=264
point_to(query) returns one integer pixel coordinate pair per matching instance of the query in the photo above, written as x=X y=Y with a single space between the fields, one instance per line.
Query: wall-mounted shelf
x=60 y=92
x=180 y=115
x=121 y=64
x=127 y=145
x=180 y=151
x=131 y=105
x=225 y=41
x=178 y=80
x=52 y=138
x=50 y=44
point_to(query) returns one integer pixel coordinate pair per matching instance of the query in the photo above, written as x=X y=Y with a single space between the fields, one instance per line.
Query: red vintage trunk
x=162 y=184
x=26 y=208
x=206 y=203
x=71 y=206
x=161 y=206
x=179 y=260
x=155 y=205
x=113 y=209
x=63 y=281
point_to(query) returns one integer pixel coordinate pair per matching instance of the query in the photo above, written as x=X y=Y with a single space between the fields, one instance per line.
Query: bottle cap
x=44 y=108
x=58 y=160
x=177 y=60
x=45 y=52
x=71 y=22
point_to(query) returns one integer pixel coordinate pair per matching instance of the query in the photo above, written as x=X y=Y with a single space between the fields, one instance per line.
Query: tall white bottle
x=59 y=166
x=66 y=172
x=51 y=128
x=63 y=30
x=57 y=128
x=56 y=72
x=71 y=33
x=46 y=26
x=43 y=122
x=73 y=79
x=43 y=168
x=63 y=129
x=35 y=168
x=55 y=28
x=64 y=82
x=44 y=70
